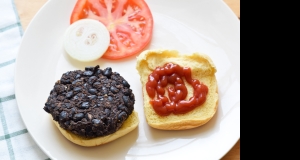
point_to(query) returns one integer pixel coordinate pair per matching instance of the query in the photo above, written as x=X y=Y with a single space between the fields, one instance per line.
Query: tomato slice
x=129 y=22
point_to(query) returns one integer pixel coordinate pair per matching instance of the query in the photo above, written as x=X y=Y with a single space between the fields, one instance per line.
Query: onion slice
x=86 y=40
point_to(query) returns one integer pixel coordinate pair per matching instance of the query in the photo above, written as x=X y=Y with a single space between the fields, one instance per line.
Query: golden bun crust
x=203 y=69
x=129 y=125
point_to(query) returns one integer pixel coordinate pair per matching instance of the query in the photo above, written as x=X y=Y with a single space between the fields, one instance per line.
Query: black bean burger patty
x=91 y=103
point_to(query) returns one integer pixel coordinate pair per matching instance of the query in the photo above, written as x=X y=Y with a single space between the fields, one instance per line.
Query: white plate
x=207 y=26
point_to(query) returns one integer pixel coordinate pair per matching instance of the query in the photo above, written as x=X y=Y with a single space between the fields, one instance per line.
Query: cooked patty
x=91 y=103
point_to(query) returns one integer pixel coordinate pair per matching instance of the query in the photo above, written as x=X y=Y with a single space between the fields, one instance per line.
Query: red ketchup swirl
x=171 y=73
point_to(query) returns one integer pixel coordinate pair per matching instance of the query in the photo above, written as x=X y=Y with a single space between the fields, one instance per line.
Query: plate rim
x=16 y=77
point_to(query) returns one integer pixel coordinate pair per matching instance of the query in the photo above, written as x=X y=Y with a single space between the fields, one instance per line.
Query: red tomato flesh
x=129 y=22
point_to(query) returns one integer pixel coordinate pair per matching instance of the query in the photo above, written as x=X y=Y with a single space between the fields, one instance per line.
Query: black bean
x=63 y=115
x=88 y=73
x=96 y=68
x=52 y=106
x=92 y=97
x=75 y=97
x=123 y=108
x=67 y=123
x=67 y=73
x=126 y=92
x=122 y=116
x=77 y=82
x=93 y=91
x=78 y=116
x=125 y=83
x=114 y=89
x=100 y=98
x=97 y=85
x=103 y=117
x=65 y=81
x=104 y=90
x=69 y=94
x=73 y=110
x=47 y=105
x=89 y=68
x=82 y=95
x=105 y=81
x=86 y=86
x=126 y=100
x=109 y=98
x=99 y=124
x=92 y=80
x=78 y=76
x=68 y=105
x=85 y=105
x=107 y=72
x=107 y=111
x=77 y=89
x=96 y=121
x=99 y=71
x=46 y=108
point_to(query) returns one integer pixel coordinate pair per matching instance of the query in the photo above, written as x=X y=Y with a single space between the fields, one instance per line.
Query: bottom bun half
x=129 y=125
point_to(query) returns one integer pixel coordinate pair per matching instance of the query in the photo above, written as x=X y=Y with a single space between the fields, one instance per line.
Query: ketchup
x=172 y=74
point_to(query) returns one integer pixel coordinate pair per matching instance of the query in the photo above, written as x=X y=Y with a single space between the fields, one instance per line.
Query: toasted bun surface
x=203 y=69
x=129 y=125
